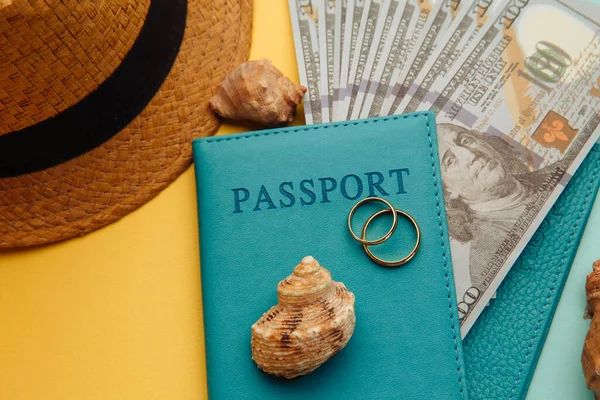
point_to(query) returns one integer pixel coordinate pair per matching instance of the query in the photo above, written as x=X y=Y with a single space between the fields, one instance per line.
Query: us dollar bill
x=520 y=111
x=458 y=36
x=326 y=44
x=304 y=15
x=338 y=44
x=421 y=13
x=393 y=55
x=364 y=40
x=354 y=13
x=433 y=31
x=376 y=52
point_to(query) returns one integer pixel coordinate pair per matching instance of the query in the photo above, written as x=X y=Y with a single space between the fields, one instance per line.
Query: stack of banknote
x=515 y=85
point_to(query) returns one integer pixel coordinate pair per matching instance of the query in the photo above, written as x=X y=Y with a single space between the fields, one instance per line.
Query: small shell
x=313 y=320
x=256 y=91
x=592 y=288
x=590 y=356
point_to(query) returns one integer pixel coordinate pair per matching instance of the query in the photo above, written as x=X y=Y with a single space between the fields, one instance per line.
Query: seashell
x=590 y=356
x=256 y=91
x=313 y=321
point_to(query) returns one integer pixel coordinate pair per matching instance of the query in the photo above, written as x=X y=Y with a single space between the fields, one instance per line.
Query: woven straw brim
x=108 y=182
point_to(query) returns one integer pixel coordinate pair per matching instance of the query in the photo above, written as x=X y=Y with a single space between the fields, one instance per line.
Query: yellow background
x=117 y=314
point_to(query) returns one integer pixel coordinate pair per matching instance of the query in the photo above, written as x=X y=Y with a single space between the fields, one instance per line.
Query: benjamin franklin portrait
x=486 y=189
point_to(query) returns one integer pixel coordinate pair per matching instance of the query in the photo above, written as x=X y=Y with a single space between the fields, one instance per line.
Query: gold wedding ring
x=402 y=260
x=382 y=239
x=366 y=243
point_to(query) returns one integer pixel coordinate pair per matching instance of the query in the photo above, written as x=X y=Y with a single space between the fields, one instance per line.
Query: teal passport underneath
x=268 y=199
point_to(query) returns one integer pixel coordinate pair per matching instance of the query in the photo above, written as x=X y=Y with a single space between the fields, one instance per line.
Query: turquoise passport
x=267 y=199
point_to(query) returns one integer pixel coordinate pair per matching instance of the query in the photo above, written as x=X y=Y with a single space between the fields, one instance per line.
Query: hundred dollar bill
x=425 y=8
x=338 y=44
x=393 y=55
x=442 y=14
x=304 y=15
x=420 y=11
x=326 y=39
x=364 y=40
x=354 y=11
x=382 y=31
x=458 y=37
x=521 y=109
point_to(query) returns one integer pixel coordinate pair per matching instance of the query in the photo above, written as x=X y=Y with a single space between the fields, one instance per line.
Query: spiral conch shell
x=313 y=320
x=256 y=91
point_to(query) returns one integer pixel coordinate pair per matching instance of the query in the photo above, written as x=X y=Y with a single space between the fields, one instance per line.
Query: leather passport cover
x=503 y=347
x=267 y=199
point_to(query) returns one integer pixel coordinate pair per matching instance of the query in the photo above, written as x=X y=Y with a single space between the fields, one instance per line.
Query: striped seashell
x=313 y=320
x=256 y=91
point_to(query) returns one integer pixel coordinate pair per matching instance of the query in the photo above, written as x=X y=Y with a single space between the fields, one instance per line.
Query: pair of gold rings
x=366 y=243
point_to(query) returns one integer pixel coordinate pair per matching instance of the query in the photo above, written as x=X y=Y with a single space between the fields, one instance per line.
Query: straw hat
x=99 y=101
